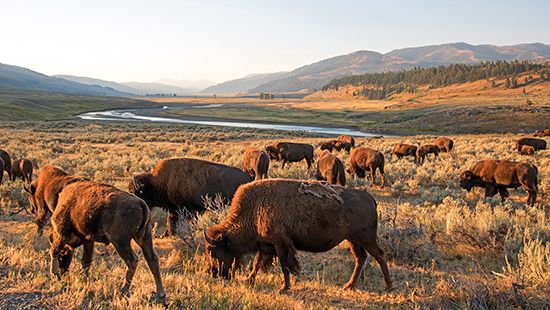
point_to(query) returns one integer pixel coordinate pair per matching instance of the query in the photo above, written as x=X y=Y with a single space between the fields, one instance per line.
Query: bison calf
x=255 y=163
x=401 y=150
x=330 y=169
x=279 y=217
x=424 y=150
x=499 y=175
x=444 y=144
x=363 y=159
x=288 y=152
x=22 y=168
x=347 y=138
x=542 y=133
x=527 y=150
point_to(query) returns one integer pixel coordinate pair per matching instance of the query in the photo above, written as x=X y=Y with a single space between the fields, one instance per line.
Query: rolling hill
x=244 y=84
x=314 y=76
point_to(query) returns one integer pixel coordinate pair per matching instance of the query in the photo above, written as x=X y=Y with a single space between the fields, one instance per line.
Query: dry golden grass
x=446 y=248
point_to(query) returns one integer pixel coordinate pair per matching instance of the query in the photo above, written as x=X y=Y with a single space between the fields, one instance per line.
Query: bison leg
x=87 y=256
x=490 y=191
x=261 y=261
x=125 y=251
x=289 y=264
x=360 y=257
x=171 y=224
x=58 y=256
x=64 y=260
x=503 y=193
x=308 y=161
x=146 y=245
x=376 y=252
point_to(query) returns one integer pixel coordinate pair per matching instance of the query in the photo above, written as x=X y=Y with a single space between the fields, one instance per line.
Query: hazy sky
x=220 y=40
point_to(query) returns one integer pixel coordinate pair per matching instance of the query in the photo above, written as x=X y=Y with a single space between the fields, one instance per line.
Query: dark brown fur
x=424 y=150
x=5 y=156
x=498 y=175
x=537 y=144
x=347 y=138
x=182 y=183
x=1 y=170
x=445 y=144
x=527 y=150
x=542 y=133
x=363 y=159
x=22 y=168
x=401 y=150
x=339 y=145
x=255 y=163
x=288 y=152
x=279 y=217
x=328 y=145
x=330 y=169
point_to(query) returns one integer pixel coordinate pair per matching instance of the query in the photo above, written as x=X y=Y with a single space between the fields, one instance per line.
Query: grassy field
x=446 y=248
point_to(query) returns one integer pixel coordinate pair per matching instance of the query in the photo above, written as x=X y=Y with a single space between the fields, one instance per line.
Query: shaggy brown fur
x=347 y=138
x=527 y=150
x=255 y=163
x=5 y=156
x=328 y=145
x=498 y=175
x=339 y=145
x=401 y=150
x=363 y=159
x=22 y=168
x=88 y=212
x=420 y=155
x=272 y=217
x=537 y=144
x=444 y=144
x=288 y=152
x=424 y=150
x=182 y=183
x=44 y=193
x=330 y=169
x=542 y=133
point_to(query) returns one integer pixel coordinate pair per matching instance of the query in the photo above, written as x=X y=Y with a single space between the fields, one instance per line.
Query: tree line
x=382 y=85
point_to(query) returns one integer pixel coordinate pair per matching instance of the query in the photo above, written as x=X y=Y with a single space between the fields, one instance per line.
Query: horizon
x=230 y=41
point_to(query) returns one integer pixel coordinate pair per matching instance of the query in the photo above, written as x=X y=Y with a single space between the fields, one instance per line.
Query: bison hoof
x=389 y=287
x=161 y=299
x=284 y=290
x=349 y=286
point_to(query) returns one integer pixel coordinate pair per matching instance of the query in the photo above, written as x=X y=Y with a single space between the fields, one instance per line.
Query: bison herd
x=269 y=217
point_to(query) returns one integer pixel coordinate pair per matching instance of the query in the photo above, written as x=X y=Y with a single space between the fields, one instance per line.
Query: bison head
x=221 y=257
x=140 y=186
x=31 y=191
x=468 y=180
x=272 y=152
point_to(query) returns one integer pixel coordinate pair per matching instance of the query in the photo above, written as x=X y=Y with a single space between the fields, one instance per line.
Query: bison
x=290 y=152
x=5 y=156
x=401 y=150
x=339 y=145
x=182 y=183
x=424 y=150
x=328 y=145
x=86 y=212
x=537 y=144
x=542 y=133
x=347 y=138
x=527 y=150
x=498 y=175
x=255 y=163
x=279 y=217
x=444 y=144
x=1 y=170
x=22 y=168
x=330 y=169
x=364 y=159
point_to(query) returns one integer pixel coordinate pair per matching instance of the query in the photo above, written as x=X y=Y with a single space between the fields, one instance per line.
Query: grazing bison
x=88 y=212
x=401 y=150
x=328 y=145
x=542 y=133
x=537 y=144
x=330 y=169
x=279 y=217
x=290 y=152
x=255 y=163
x=424 y=150
x=339 y=145
x=182 y=183
x=444 y=144
x=364 y=159
x=1 y=170
x=5 y=156
x=527 y=150
x=22 y=168
x=347 y=138
x=498 y=175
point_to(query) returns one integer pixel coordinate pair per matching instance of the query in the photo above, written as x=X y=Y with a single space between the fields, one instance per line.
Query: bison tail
x=142 y=229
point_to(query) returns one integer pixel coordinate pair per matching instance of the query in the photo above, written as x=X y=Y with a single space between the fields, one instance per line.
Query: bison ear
x=213 y=241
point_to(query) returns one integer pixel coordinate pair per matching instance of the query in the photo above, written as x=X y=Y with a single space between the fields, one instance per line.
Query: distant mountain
x=22 y=78
x=91 y=81
x=244 y=84
x=158 y=88
x=194 y=85
x=314 y=76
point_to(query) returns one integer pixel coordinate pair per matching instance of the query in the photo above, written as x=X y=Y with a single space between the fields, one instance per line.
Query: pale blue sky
x=221 y=40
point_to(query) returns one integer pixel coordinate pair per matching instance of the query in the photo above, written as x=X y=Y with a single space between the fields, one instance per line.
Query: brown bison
x=255 y=163
x=537 y=144
x=444 y=144
x=290 y=152
x=424 y=150
x=182 y=183
x=22 y=168
x=328 y=145
x=339 y=145
x=401 y=150
x=347 y=138
x=330 y=169
x=1 y=170
x=364 y=159
x=5 y=156
x=542 y=133
x=279 y=217
x=86 y=212
x=527 y=150
x=498 y=175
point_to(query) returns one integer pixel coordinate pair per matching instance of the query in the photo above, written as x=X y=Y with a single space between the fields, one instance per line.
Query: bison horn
x=208 y=238
x=136 y=185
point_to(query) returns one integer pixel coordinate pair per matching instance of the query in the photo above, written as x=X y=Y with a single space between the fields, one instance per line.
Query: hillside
x=314 y=76
x=92 y=81
x=22 y=78
x=244 y=84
